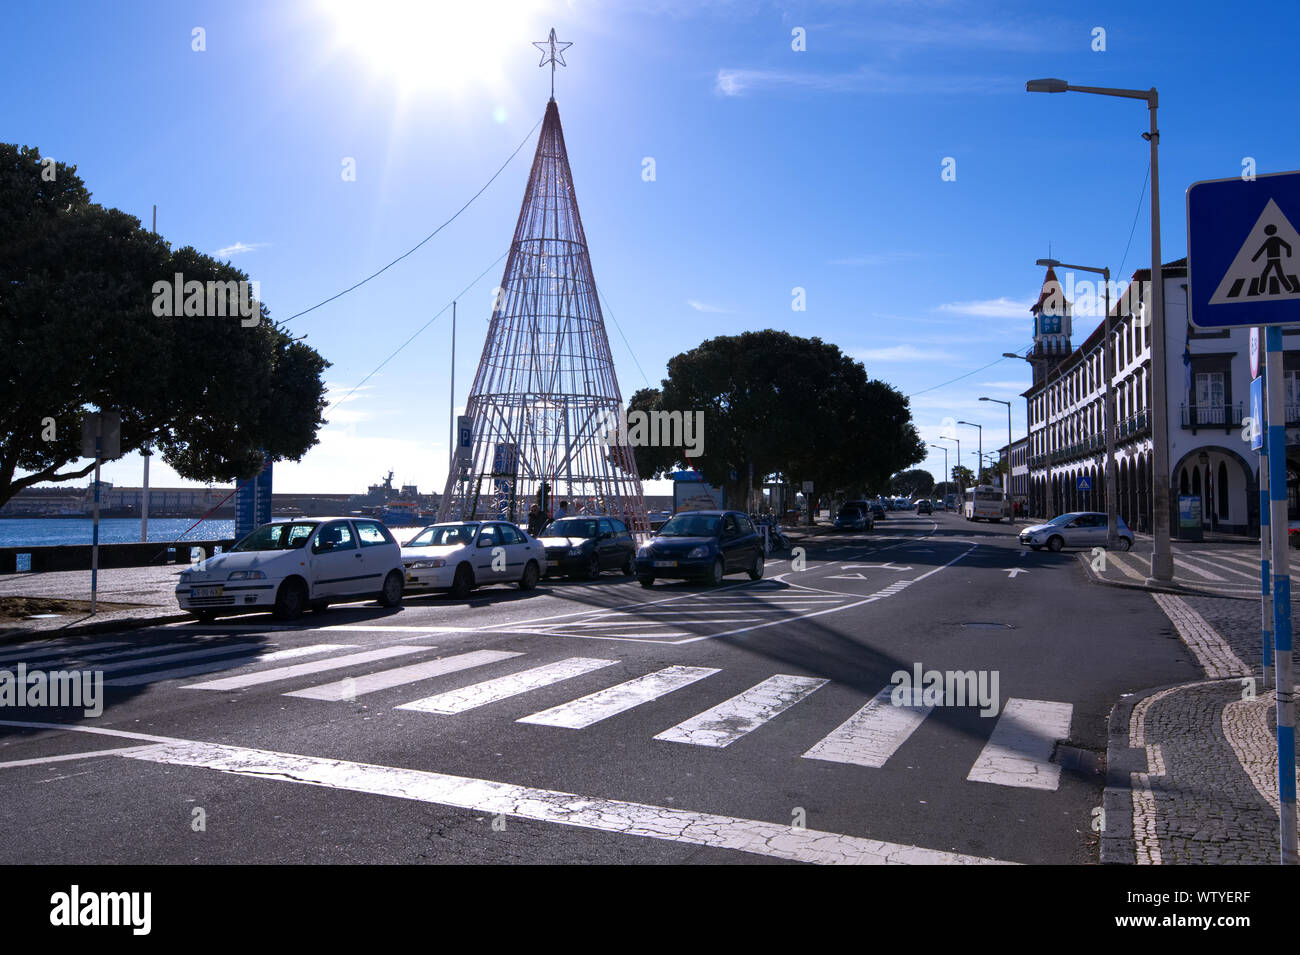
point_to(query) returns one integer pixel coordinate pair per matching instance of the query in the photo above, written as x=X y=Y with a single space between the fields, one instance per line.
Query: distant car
x=459 y=556
x=288 y=566
x=704 y=545
x=585 y=546
x=877 y=511
x=924 y=507
x=855 y=516
x=1076 y=529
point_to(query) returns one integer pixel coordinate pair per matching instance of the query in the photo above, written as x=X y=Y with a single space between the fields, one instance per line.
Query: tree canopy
x=913 y=483
x=210 y=392
x=774 y=402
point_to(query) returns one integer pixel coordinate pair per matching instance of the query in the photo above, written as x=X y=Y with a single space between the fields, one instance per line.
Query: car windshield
x=277 y=537
x=444 y=535
x=691 y=525
x=571 y=527
x=1063 y=519
x=849 y=512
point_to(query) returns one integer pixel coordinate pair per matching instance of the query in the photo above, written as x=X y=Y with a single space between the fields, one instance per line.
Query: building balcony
x=1133 y=424
x=1226 y=417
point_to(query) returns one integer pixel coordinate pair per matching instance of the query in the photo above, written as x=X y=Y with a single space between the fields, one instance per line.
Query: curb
x=25 y=634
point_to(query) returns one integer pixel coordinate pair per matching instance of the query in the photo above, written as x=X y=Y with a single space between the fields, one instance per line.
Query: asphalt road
x=742 y=729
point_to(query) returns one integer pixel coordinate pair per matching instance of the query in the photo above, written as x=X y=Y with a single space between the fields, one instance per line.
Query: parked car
x=924 y=507
x=585 y=546
x=855 y=516
x=877 y=511
x=704 y=545
x=288 y=566
x=1076 y=529
x=459 y=556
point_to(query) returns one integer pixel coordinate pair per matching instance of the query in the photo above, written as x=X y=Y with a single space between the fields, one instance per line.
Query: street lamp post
x=972 y=424
x=1162 y=558
x=946 y=475
x=961 y=487
x=1108 y=404
x=1006 y=483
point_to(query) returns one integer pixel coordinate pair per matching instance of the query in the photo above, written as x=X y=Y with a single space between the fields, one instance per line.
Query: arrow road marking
x=1014 y=571
x=888 y=566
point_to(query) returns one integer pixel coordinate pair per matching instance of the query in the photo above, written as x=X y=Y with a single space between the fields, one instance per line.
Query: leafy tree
x=963 y=475
x=774 y=402
x=914 y=483
x=77 y=315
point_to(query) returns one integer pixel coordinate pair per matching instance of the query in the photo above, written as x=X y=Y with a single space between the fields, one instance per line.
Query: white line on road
x=1019 y=752
x=226 y=663
x=352 y=687
x=776 y=840
x=872 y=734
x=583 y=712
x=727 y=722
x=227 y=650
x=1215 y=655
x=490 y=691
x=1192 y=568
x=26 y=655
x=303 y=669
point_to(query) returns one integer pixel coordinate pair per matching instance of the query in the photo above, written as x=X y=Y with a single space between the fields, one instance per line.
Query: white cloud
x=991 y=308
x=238 y=249
x=865 y=79
x=901 y=353
x=705 y=307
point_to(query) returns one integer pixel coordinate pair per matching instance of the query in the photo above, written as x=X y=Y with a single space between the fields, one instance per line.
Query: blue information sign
x=1257 y=414
x=1084 y=484
x=1243 y=251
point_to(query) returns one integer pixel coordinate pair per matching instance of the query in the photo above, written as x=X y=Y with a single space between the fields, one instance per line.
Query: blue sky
x=774 y=169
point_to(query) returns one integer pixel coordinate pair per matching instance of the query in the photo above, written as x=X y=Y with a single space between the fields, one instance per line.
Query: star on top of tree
x=552 y=53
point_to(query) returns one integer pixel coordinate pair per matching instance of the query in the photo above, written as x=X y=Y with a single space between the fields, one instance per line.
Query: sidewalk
x=135 y=597
x=1219 y=568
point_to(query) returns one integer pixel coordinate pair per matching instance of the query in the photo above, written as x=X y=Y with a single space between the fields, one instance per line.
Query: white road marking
x=302 y=669
x=727 y=722
x=872 y=734
x=1014 y=572
x=27 y=654
x=227 y=650
x=490 y=691
x=776 y=840
x=356 y=628
x=227 y=663
x=1122 y=564
x=1217 y=565
x=1192 y=568
x=1020 y=750
x=352 y=687
x=583 y=712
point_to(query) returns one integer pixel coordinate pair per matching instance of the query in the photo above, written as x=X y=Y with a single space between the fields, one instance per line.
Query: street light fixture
x=944 y=449
x=1049 y=497
x=972 y=424
x=1162 y=558
x=1006 y=483
x=961 y=486
x=1108 y=404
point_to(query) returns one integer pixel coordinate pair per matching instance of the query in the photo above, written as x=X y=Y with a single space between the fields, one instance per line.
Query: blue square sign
x=1243 y=251
x=1257 y=414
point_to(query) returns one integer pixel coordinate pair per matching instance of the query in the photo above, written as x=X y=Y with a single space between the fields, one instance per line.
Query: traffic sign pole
x=1259 y=429
x=94 y=531
x=1286 y=784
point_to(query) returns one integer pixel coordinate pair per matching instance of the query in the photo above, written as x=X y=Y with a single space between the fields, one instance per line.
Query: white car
x=461 y=555
x=288 y=566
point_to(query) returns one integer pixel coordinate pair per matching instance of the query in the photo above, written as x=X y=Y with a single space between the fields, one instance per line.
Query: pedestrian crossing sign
x=1085 y=484
x=1243 y=251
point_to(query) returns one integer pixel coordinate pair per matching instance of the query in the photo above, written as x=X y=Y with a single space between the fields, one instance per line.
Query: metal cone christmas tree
x=545 y=397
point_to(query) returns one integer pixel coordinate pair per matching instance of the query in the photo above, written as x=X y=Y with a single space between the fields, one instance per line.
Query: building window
x=1223 y=490
x=1208 y=390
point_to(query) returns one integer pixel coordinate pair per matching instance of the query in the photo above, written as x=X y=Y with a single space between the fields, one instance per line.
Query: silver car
x=1076 y=529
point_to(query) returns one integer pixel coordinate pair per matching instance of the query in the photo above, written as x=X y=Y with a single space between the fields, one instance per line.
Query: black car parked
x=702 y=545
x=585 y=546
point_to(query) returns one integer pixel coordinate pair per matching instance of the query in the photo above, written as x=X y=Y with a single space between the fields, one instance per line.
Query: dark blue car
x=702 y=545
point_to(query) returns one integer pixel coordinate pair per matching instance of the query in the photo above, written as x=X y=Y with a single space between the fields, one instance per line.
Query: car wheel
x=647 y=581
x=391 y=595
x=290 y=600
x=463 y=582
x=593 y=567
x=717 y=573
x=629 y=566
x=529 y=580
x=756 y=572
x=1124 y=543
x=1055 y=543
x=319 y=606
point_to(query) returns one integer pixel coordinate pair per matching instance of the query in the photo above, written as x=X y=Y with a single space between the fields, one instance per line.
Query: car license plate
x=665 y=563
x=552 y=564
x=204 y=592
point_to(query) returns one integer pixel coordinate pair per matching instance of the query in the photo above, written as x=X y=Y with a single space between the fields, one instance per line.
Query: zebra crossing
x=1017 y=753
x=1217 y=571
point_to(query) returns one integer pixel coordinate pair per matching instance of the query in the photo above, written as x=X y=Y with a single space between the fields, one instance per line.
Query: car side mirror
x=322 y=546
